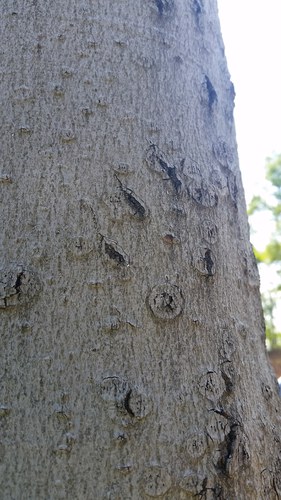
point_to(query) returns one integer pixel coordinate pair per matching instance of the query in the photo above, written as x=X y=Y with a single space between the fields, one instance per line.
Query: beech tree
x=133 y=362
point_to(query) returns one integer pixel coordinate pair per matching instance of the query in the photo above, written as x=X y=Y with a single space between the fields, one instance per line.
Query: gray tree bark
x=133 y=363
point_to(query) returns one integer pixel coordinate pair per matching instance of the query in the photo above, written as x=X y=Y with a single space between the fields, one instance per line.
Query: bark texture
x=133 y=363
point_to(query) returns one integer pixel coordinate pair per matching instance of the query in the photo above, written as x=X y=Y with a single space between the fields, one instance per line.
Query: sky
x=251 y=34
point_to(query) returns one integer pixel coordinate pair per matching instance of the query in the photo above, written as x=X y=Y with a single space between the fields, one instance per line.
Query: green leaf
x=272 y=252
x=273 y=172
x=256 y=204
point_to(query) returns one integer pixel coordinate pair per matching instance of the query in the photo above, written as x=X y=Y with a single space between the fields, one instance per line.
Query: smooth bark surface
x=132 y=340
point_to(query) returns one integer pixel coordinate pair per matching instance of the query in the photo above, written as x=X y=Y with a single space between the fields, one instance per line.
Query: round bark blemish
x=67 y=72
x=223 y=153
x=217 y=427
x=193 y=172
x=267 y=483
x=166 y=301
x=5 y=179
x=25 y=327
x=102 y=102
x=191 y=483
x=65 y=448
x=67 y=136
x=217 y=179
x=211 y=386
x=139 y=404
x=208 y=231
x=123 y=168
x=120 y=437
x=124 y=469
x=113 y=389
x=267 y=392
x=170 y=239
x=58 y=91
x=156 y=481
x=79 y=246
x=24 y=130
x=178 y=59
x=203 y=193
x=196 y=445
x=62 y=413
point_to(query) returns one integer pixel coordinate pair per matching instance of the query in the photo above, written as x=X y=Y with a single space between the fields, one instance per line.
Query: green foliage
x=271 y=253
x=273 y=337
x=256 y=203
x=273 y=174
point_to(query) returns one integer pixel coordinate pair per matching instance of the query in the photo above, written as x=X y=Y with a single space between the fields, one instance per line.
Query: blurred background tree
x=269 y=253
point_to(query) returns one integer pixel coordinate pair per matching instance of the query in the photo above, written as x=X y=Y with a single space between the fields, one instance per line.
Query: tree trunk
x=132 y=339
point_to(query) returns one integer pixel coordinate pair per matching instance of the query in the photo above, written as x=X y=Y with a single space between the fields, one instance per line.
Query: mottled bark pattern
x=133 y=363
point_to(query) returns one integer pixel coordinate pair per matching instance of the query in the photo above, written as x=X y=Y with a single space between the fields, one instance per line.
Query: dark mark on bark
x=222 y=412
x=18 y=282
x=228 y=382
x=127 y=403
x=209 y=263
x=131 y=200
x=158 y=162
x=217 y=491
x=232 y=92
x=228 y=448
x=232 y=187
x=197 y=9
x=160 y=6
x=18 y=287
x=166 y=301
x=204 y=194
x=164 y=6
x=172 y=176
x=212 y=95
x=169 y=302
x=114 y=254
x=170 y=239
x=204 y=489
x=134 y=203
x=111 y=249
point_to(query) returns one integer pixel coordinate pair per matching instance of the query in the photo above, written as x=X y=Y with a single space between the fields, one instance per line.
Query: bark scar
x=127 y=403
x=131 y=200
